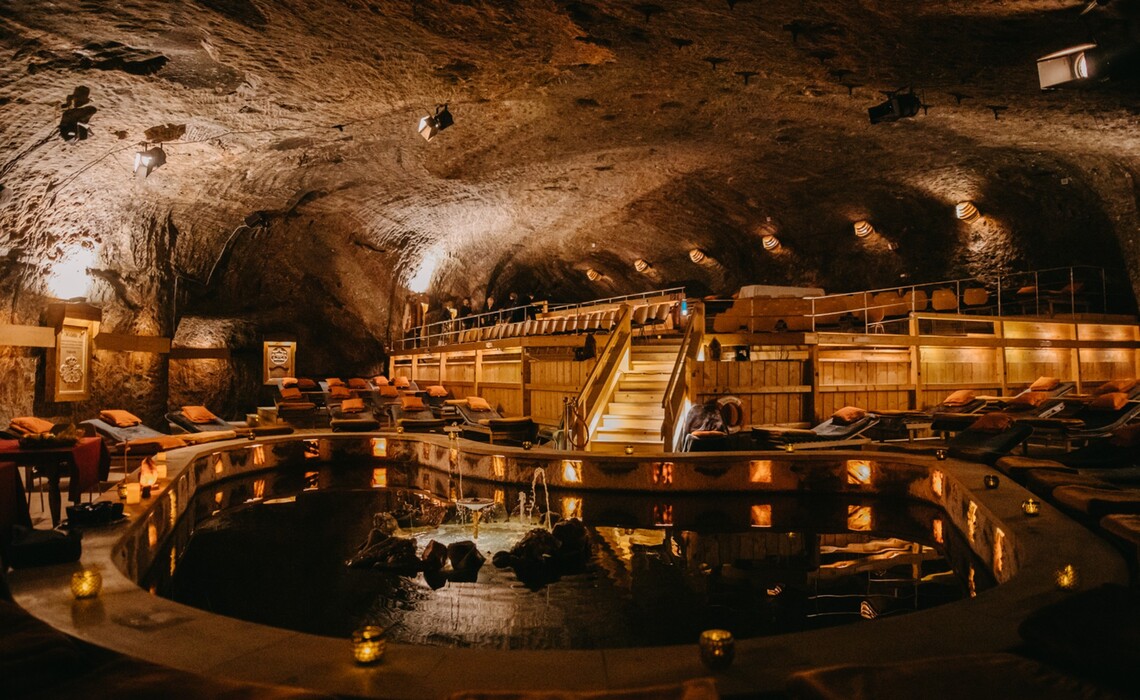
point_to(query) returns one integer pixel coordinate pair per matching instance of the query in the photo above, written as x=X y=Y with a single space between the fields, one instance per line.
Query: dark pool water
x=814 y=562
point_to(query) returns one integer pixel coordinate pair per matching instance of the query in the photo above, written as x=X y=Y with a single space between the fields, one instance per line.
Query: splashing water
x=539 y=471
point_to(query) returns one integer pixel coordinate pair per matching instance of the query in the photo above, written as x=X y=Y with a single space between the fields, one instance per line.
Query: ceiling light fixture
x=966 y=211
x=433 y=124
x=149 y=159
x=770 y=242
x=697 y=255
x=641 y=265
x=593 y=275
x=863 y=228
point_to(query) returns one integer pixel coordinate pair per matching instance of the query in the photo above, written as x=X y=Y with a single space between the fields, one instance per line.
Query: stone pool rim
x=129 y=620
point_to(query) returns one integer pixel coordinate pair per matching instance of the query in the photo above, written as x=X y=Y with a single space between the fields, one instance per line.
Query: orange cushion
x=402 y=382
x=357 y=383
x=306 y=384
x=708 y=433
x=959 y=398
x=437 y=391
x=848 y=415
x=389 y=391
x=1029 y=398
x=478 y=403
x=1126 y=436
x=352 y=405
x=122 y=419
x=288 y=381
x=198 y=414
x=339 y=391
x=334 y=381
x=31 y=425
x=290 y=393
x=992 y=423
x=1109 y=402
x=166 y=442
x=1115 y=385
x=380 y=380
x=411 y=403
x=1045 y=384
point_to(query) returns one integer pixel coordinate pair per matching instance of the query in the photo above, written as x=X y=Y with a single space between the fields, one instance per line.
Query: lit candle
x=717 y=649
x=1031 y=507
x=1067 y=578
x=368 y=644
x=86 y=584
x=991 y=481
x=134 y=494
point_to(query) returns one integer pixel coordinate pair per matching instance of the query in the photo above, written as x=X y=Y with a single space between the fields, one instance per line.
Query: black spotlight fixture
x=899 y=103
x=433 y=124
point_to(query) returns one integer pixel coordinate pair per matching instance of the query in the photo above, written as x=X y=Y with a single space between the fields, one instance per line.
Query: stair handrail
x=678 y=389
x=603 y=376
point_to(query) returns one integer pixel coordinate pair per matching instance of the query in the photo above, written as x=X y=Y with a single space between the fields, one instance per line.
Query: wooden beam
x=27 y=336
x=115 y=342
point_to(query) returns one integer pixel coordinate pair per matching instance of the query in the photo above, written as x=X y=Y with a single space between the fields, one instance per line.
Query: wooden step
x=667 y=358
x=618 y=448
x=651 y=383
x=642 y=367
x=639 y=410
x=612 y=422
x=638 y=397
x=627 y=435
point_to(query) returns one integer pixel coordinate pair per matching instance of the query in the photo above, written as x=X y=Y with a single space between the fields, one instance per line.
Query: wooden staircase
x=634 y=412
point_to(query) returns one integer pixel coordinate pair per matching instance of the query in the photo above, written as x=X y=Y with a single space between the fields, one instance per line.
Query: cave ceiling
x=586 y=135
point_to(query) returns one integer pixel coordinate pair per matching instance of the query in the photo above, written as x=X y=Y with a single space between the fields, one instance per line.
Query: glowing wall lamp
x=641 y=265
x=966 y=211
x=429 y=126
x=149 y=159
x=697 y=255
x=593 y=275
x=770 y=242
x=863 y=228
x=69 y=278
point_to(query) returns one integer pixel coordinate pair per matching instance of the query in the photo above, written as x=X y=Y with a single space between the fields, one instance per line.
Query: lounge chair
x=1095 y=418
x=354 y=416
x=436 y=397
x=843 y=429
x=414 y=416
x=124 y=432
x=1041 y=399
x=991 y=436
x=198 y=419
x=483 y=423
x=294 y=409
x=961 y=402
x=383 y=398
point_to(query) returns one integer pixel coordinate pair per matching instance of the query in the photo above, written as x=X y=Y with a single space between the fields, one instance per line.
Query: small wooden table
x=87 y=463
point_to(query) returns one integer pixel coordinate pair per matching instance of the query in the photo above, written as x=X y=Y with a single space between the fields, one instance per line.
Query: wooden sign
x=279 y=360
x=69 y=366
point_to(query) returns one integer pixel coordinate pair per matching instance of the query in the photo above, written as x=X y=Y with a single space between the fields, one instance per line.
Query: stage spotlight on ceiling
x=641 y=265
x=697 y=255
x=770 y=242
x=593 y=275
x=898 y=104
x=966 y=211
x=148 y=160
x=432 y=125
x=1067 y=66
x=863 y=228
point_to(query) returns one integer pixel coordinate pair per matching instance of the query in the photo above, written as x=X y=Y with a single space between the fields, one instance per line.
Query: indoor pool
x=272 y=549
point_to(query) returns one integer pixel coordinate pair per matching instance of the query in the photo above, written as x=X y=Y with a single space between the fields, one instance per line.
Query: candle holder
x=86 y=584
x=940 y=454
x=629 y=449
x=1067 y=578
x=527 y=444
x=1031 y=507
x=368 y=644
x=145 y=491
x=718 y=648
x=134 y=494
x=789 y=447
x=991 y=481
x=121 y=489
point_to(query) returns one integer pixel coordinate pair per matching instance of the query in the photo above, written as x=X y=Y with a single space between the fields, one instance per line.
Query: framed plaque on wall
x=279 y=358
x=68 y=372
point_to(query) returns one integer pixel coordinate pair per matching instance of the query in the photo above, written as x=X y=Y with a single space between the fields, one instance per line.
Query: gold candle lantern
x=368 y=644
x=121 y=489
x=991 y=481
x=789 y=447
x=629 y=449
x=527 y=444
x=86 y=584
x=940 y=454
x=718 y=648
x=1031 y=507
x=1067 y=578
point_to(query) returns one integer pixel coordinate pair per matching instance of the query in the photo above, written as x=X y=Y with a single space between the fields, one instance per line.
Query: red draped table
x=86 y=464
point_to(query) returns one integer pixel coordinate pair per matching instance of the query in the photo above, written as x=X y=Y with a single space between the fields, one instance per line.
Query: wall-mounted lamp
x=966 y=211
x=770 y=242
x=429 y=126
x=593 y=275
x=863 y=228
x=697 y=255
x=641 y=265
x=149 y=159
x=1066 y=66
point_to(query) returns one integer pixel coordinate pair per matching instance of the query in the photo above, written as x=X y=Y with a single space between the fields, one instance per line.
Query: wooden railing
x=679 y=385
x=603 y=378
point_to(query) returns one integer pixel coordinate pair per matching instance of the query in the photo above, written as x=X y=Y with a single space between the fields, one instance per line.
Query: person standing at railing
x=518 y=313
x=488 y=318
x=464 y=312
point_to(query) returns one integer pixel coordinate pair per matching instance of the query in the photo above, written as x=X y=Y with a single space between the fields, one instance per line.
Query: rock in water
x=434 y=556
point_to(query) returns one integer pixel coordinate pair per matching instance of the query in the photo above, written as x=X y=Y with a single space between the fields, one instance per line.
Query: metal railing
x=678 y=389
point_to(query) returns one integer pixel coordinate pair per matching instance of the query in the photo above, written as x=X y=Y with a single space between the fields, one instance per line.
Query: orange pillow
x=165 y=442
x=389 y=391
x=306 y=384
x=411 y=403
x=848 y=415
x=437 y=391
x=959 y=398
x=352 y=405
x=1045 y=384
x=198 y=414
x=334 y=381
x=290 y=393
x=402 y=382
x=992 y=423
x=122 y=419
x=30 y=425
x=478 y=403
x=339 y=391
x=1115 y=385
x=289 y=381
x=708 y=433
x=1113 y=401
x=1029 y=399
x=380 y=380
x=357 y=383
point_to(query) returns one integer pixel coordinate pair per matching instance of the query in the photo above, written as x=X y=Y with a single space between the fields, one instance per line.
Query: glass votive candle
x=86 y=584
x=121 y=489
x=718 y=648
x=1067 y=578
x=134 y=494
x=368 y=644
x=1031 y=507
x=940 y=454
x=991 y=481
